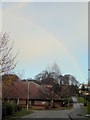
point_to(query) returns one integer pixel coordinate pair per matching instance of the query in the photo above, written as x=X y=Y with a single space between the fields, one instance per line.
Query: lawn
x=80 y=99
x=18 y=114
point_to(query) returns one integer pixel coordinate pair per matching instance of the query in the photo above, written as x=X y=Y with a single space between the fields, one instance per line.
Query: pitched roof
x=19 y=89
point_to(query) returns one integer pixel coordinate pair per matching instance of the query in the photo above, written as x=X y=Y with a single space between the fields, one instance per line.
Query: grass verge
x=88 y=107
x=80 y=99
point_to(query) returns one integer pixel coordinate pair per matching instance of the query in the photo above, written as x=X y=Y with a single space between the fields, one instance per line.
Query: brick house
x=20 y=90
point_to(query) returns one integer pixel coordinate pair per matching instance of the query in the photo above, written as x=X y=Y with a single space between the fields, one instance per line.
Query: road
x=54 y=113
x=49 y=114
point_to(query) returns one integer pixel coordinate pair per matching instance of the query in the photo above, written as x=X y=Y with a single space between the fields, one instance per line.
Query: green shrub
x=70 y=101
x=10 y=108
x=14 y=107
x=4 y=112
x=19 y=108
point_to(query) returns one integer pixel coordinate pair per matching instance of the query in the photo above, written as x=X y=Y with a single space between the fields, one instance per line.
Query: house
x=21 y=91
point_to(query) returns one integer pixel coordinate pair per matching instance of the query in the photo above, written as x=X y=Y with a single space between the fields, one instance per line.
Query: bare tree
x=54 y=68
x=7 y=59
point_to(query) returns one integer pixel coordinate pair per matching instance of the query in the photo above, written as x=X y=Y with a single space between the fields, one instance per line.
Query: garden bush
x=7 y=109
x=70 y=101
x=4 y=112
x=19 y=108
x=10 y=108
x=65 y=102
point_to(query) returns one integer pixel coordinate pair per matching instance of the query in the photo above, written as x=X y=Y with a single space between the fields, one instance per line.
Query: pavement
x=77 y=112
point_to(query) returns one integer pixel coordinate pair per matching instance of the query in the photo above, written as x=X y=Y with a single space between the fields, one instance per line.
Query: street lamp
x=52 y=92
x=52 y=96
x=28 y=96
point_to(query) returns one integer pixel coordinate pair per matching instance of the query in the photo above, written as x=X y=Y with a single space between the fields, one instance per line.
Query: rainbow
x=62 y=46
x=53 y=38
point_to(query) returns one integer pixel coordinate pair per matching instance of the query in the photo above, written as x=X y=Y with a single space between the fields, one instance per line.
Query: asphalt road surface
x=49 y=114
x=54 y=113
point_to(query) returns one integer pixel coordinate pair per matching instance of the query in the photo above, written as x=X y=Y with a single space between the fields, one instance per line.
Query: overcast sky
x=46 y=33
